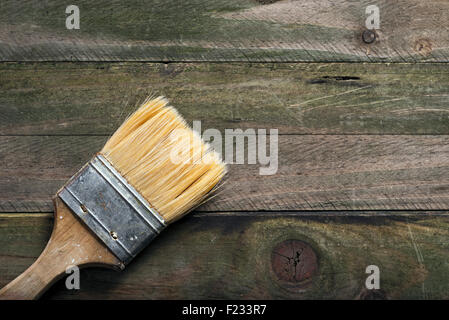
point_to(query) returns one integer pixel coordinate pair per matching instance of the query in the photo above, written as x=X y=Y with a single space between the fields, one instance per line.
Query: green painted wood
x=94 y=98
x=204 y=257
x=315 y=172
x=223 y=30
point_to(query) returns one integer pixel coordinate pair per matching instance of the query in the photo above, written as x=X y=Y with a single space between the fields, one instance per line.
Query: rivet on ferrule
x=112 y=208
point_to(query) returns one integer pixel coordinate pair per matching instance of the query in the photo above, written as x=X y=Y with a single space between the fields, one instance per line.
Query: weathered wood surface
x=362 y=146
x=315 y=172
x=224 y=30
x=203 y=257
x=355 y=98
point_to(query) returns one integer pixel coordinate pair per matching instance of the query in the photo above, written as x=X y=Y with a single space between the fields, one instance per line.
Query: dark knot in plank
x=294 y=263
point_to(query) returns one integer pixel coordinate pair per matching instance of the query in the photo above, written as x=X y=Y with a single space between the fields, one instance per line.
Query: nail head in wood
x=368 y=36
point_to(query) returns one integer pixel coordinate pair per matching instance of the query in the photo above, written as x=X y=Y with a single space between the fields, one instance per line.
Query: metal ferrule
x=112 y=208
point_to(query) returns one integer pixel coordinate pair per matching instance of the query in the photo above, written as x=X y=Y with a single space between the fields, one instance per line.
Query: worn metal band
x=112 y=208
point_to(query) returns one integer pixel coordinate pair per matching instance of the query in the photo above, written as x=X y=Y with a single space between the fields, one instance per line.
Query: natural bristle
x=163 y=159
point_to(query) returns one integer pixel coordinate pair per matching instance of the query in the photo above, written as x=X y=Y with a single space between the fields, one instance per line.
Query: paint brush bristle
x=164 y=160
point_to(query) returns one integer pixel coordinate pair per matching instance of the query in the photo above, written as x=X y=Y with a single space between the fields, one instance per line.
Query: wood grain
x=350 y=98
x=315 y=172
x=224 y=30
x=213 y=257
x=363 y=151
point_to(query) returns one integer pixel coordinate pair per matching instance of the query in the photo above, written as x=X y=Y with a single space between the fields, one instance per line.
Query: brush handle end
x=71 y=244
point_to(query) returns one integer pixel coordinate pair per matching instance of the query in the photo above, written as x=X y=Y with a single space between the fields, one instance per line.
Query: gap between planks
x=268 y=214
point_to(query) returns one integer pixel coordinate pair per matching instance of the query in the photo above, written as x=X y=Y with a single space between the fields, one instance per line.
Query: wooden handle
x=71 y=244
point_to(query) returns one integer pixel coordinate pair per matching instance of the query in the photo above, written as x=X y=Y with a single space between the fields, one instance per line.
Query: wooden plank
x=224 y=30
x=203 y=257
x=353 y=98
x=315 y=172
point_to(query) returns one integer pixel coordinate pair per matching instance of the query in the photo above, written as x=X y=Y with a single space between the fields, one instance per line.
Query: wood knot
x=423 y=46
x=294 y=263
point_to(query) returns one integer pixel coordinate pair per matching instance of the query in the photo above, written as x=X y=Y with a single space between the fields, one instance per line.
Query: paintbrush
x=152 y=171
